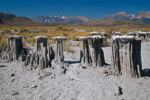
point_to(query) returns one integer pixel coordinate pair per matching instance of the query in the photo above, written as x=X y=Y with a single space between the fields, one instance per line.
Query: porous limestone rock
x=103 y=34
x=126 y=56
x=59 y=56
x=42 y=57
x=14 y=47
x=41 y=51
x=97 y=52
x=85 y=57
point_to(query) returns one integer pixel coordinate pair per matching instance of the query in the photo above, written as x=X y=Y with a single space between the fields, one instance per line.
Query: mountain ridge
x=120 y=19
x=140 y=17
x=53 y=19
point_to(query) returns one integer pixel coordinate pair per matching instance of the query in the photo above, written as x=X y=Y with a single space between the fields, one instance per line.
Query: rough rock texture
x=59 y=49
x=85 y=57
x=41 y=51
x=143 y=35
x=97 y=53
x=14 y=48
x=116 y=33
x=132 y=33
x=98 y=33
x=42 y=57
x=126 y=56
x=94 y=33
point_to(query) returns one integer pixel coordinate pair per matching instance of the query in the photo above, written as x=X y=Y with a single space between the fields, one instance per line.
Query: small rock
x=140 y=83
x=45 y=75
x=105 y=72
x=72 y=79
x=117 y=91
x=83 y=67
x=3 y=66
x=12 y=80
x=25 y=86
x=12 y=75
x=15 y=93
x=34 y=86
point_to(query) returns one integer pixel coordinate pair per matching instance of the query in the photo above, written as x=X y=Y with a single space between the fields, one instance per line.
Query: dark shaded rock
x=12 y=75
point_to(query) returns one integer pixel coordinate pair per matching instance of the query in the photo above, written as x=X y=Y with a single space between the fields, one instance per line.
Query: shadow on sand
x=73 y=62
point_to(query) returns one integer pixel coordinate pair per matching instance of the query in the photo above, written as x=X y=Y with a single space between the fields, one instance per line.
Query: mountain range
x=54 y=19
x=141 y=17
x=117 y=19
x=7 y=19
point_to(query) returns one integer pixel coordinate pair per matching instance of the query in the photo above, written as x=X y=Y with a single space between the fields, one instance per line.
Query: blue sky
x=91 y=8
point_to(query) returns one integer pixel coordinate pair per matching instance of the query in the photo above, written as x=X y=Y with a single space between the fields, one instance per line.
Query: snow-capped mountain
x=54 y=19
x=141 y=17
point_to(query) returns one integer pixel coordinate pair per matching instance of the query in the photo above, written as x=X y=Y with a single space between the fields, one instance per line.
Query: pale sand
x=76 y=84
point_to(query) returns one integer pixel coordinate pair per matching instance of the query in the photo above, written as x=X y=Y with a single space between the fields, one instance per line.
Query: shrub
x=3 y=44
x=67 y=48
x=30 y=41
x=78 y=44
x=24 y=30
x=7 y=31
x=58 y=28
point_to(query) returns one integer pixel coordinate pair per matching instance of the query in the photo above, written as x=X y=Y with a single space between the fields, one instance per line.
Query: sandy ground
x=17 y=83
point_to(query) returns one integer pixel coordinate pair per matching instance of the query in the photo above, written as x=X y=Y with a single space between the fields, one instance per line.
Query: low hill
x=4 y=17
x=111 y=23
x=12 y=20
x=19 y=21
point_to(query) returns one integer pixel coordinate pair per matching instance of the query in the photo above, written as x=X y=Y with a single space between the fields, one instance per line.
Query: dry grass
x=66 y=47
x=30 y=41
x=78 y=44
x=3 y=44
x=146 y=39
x=31 y=32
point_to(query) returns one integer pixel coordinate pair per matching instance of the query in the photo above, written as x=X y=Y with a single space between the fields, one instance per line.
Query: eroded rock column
x=59 y=48
x=84 y=51
x=41 y=51
x=42 y=57
x=97 y=52
x=14 y=48
x=126 y=56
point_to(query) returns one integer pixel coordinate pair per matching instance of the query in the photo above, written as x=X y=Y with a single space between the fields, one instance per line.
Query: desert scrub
x=50 y=41
x=78 y=44
x=146 y=39
x=30 y=41
x=58 y=28
x=3 y=44
x=66 y=47
x=104 y=43
x=24 y=42
x=90 y=41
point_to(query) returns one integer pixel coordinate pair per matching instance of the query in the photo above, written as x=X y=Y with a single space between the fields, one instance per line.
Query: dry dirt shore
x=18 y=83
